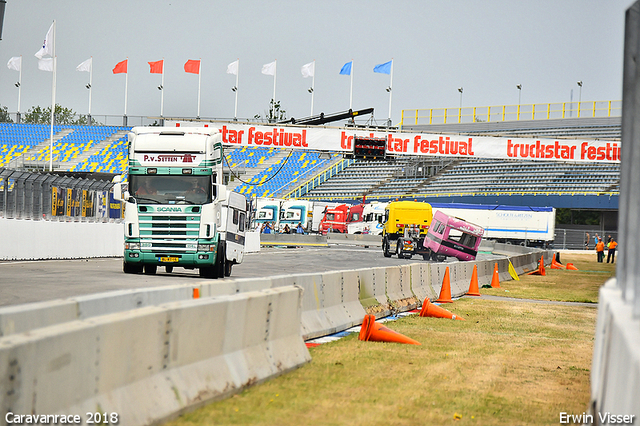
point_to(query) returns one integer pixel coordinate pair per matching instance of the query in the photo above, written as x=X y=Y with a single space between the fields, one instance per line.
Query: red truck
x=337 y=218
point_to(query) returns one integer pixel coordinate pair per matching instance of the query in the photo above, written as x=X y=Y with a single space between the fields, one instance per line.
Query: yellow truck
x=405 y=225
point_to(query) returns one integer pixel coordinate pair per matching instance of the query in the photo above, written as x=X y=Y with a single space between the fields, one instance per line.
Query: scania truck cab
x=178 y=213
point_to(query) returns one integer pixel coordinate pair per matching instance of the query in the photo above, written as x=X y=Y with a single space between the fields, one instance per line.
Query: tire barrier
x=108 y=349
x=152 y=363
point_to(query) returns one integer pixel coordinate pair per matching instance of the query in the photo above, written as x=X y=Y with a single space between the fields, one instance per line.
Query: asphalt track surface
x=36 y=281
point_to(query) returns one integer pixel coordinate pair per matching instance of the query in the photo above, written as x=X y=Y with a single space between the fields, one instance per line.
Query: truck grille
x=169 y=233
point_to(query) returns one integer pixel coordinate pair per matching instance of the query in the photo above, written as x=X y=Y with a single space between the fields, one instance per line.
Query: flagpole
x=53 y=97
x=19 y=88
x=351 y=89
x=162 y=92
x=390 y=92
x=313 y=84
x=126 y=91
x=235 y=112
x=199 y=79
x=90 y=88
x=275 y=69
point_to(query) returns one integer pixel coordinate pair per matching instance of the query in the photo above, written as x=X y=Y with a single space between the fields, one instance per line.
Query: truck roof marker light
x=152 y=170
x=177 y=124
x=187 y=171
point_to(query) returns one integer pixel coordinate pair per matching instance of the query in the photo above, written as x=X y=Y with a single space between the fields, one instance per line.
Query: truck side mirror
x=117 y=192
x=220 y=192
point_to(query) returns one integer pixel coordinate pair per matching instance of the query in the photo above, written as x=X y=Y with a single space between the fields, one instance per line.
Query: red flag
x=156 y=67
x=192 y=66
x=121 y=67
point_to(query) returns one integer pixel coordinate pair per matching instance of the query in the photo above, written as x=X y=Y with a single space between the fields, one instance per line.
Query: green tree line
x=39 y=115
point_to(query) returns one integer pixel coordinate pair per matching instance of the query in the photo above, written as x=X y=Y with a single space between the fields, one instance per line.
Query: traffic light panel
x=369 y=148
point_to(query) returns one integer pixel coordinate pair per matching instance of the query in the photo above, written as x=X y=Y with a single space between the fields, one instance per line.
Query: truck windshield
x=167 y=189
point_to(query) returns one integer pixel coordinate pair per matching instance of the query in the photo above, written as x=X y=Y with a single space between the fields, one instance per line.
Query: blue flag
x=346 y=68
x=383 y=68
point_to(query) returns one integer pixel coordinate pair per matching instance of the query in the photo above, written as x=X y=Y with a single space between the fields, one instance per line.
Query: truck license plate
x=169 y=259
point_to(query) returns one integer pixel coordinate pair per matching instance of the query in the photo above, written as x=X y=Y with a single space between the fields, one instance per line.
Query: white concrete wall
x=40 y=239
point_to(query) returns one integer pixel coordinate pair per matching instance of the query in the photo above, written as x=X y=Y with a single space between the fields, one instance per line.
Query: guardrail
x=168 y=352
x=584 y=109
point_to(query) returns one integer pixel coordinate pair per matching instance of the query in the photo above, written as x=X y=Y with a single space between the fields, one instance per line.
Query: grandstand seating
x=290 y=170
x=276 y=171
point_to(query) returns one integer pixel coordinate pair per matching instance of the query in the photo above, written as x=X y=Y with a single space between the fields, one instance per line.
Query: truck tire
x=150 y=269
x=399 y=246
x=385 y=246
x=131 y=268
x=221 y=259
x=207 y=272
x=228 y=265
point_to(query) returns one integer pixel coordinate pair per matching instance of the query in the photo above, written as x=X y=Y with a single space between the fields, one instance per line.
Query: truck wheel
x=385 y=246
x=130 y=268
x=207 y=272
x=228 y=264
x=221 y=257
x=399 y=246
x=168 y=269
x=150 y=269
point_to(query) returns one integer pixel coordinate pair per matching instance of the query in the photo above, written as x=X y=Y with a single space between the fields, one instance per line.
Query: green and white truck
x=178 y=212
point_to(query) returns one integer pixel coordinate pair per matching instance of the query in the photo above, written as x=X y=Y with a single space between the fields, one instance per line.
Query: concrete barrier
x=421 y=284
x=615 y=372
x=398 y=283
x=355 y=239
x=293 y=240
x=373 y=291
x=152 y=363
x=42 y=239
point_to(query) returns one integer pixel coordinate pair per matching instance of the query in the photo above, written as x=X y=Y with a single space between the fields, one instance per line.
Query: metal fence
x=574 y=239
x=41 y=196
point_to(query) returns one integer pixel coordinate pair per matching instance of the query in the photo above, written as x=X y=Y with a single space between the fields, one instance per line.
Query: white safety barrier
x=41 y=239
x=615 y=372
x=149 y=364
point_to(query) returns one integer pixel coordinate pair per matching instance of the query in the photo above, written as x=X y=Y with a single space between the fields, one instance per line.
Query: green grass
x=560 y=284
x=509 y=363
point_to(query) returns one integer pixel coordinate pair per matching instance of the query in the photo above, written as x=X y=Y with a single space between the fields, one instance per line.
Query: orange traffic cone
x=431 y=310
x=540 y=270
x=473 y=285
x=374 y=332
x=555 y=264
x=495 y=279
x=570 y=266
x=445 y=291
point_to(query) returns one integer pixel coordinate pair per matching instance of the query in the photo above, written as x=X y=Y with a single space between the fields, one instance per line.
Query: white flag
x=269 y=69
x=308 y=69
x=85 y=66
x=232 y=68
x=15 y=63
x=45 y=64
x=47 y=46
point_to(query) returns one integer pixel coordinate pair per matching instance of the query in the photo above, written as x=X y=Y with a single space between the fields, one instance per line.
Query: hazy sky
x=487 y=47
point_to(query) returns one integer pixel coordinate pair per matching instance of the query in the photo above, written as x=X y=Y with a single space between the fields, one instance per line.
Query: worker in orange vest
x=612 y=250
x=600 y=250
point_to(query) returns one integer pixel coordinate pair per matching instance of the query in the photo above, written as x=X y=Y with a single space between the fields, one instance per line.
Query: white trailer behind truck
x=524 y=225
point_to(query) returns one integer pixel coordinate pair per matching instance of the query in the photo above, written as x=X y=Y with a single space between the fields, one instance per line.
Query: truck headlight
x=132 y=246
x=206 y=247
